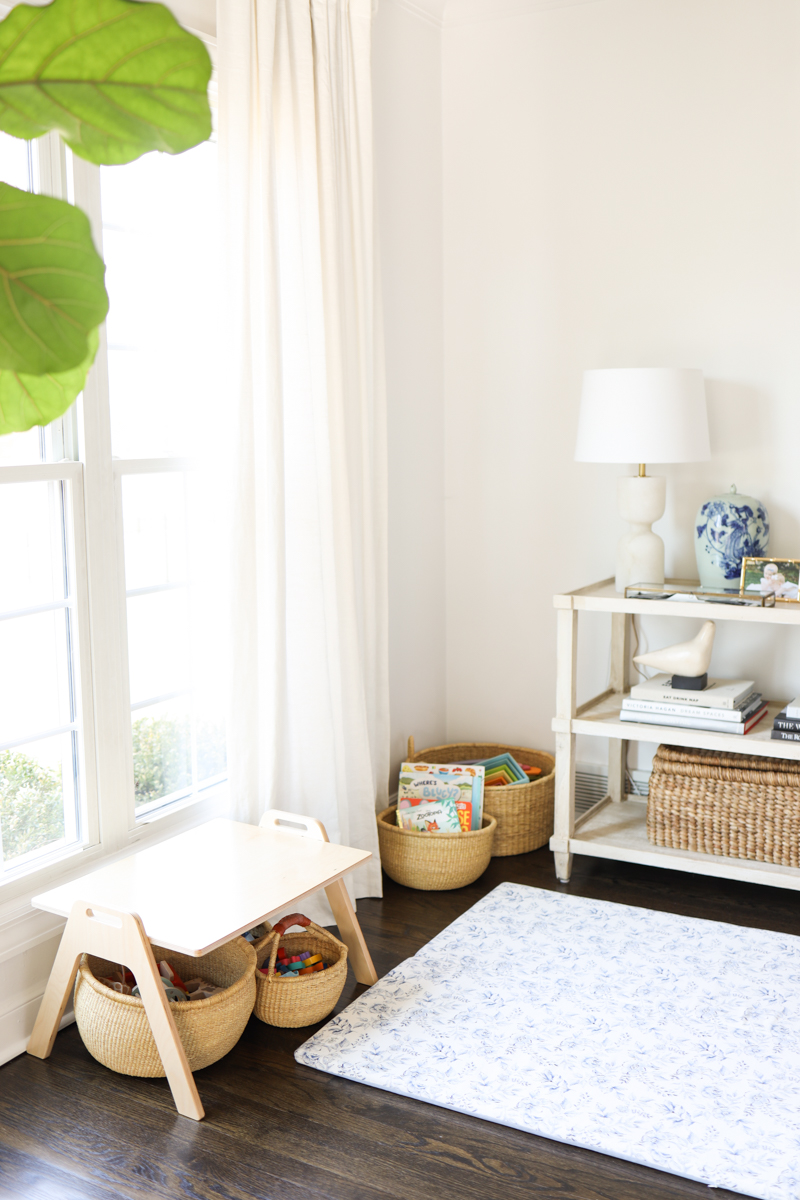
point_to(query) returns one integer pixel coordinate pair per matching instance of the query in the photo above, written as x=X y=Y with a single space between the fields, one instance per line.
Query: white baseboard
x=16 y=1027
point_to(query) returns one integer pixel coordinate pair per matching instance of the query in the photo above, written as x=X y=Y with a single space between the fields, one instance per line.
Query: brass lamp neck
x=642 y=471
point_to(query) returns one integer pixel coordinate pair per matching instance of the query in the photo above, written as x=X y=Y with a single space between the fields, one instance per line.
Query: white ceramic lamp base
x=640 y=552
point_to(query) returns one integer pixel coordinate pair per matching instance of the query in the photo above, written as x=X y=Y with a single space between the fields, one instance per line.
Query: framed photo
x=778 y=577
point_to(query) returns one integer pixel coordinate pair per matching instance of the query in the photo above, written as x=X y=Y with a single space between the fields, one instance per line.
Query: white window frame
x=110 y=824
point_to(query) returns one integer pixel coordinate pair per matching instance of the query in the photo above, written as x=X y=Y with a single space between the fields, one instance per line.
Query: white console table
x=615 y=827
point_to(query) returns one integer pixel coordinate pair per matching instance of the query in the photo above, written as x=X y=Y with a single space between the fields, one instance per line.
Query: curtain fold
x=309 y=727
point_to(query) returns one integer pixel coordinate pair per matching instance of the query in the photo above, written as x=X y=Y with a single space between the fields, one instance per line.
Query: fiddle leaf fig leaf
x=52 y=293
x=28 y=400
x=116 y=78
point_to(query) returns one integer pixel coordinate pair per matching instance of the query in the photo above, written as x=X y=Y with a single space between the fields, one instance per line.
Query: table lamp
x=642 y=415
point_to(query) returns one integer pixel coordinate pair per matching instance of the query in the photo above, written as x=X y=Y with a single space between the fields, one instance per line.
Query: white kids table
x=192 y=893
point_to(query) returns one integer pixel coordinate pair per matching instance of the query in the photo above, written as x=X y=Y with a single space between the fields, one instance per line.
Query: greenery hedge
x=31 y=809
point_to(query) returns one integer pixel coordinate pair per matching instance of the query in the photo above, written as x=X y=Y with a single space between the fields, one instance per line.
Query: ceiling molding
x=446 y=13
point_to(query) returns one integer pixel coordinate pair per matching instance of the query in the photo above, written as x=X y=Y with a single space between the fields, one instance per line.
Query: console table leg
x=563 y=866
x=566 y=686
x=620 y=682
x=617 y=769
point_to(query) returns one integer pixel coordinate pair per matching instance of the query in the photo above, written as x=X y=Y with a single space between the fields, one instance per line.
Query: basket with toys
x=300 y=976
x=210 y=1012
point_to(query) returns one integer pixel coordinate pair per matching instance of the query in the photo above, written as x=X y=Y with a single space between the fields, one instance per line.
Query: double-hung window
x=111 y=623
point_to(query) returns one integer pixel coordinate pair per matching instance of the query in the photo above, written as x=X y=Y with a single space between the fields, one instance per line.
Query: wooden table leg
x=338 y=898
x=350 y=932
x=56 y=994
x=118 y=937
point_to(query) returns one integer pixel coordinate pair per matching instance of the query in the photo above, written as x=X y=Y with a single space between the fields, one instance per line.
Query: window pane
x=16 y=163
x=30 y=517
x=155 y=529
x=39 y=775
x=34 y=697
x=175 y=619
x=159 y=231
x=211 y=746
x=162 y=751
x=158 y=644
x=37 y=798
x=17 y=448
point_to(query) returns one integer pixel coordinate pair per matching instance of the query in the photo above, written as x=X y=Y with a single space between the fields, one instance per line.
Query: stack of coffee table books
x=786 y=726
x=722 y=706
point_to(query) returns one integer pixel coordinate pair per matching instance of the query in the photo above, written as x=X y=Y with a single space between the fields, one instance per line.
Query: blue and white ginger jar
x=728 y=529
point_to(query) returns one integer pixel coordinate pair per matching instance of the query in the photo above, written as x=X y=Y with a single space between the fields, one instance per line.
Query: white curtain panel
x=309 y=729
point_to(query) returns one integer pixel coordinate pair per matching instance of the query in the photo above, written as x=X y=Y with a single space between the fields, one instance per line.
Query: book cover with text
x=427 y=782
x=433 y=816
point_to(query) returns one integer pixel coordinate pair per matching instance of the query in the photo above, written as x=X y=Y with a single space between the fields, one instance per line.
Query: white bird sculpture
x=686 y=658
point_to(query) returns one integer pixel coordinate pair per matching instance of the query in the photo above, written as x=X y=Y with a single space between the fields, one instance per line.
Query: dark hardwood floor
x=72 y=1130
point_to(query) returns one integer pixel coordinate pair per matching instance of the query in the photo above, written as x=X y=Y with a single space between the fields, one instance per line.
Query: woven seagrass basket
x=739 y=805
x=433 y=862
x=115 y=1028
x=524 y=811
x=291 y=1003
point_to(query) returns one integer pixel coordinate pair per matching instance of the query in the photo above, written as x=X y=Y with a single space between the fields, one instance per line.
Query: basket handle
x=277 y=933
x=287 y=922
x=410 y=754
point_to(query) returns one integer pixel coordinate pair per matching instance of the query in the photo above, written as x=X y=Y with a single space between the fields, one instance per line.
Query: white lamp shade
x=643 y=415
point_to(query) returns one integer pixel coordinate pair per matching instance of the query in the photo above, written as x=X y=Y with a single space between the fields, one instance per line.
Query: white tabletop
x=201 y=888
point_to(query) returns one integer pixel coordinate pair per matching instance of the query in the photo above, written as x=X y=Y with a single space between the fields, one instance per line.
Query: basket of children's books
x=300 y=976
x=211 y=1000
x=519 y=789
x=434 y=860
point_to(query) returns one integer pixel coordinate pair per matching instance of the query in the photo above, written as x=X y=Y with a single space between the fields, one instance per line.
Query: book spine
x=680 y=710
x=686 y=723
x=685 y=698
x=697 y=722
x=786 y=726
x=780 y=735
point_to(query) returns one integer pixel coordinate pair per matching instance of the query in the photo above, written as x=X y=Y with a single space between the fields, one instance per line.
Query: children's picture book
x=426 y=782
x=437 y=816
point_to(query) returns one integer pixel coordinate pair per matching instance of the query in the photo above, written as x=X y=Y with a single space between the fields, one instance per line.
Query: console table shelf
x=615 y=827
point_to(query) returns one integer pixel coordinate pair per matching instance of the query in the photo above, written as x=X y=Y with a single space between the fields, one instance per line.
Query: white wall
x=407 y=114
x=621 y=188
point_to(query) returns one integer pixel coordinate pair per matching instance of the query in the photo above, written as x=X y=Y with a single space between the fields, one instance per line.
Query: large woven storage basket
x=291 y=1003
x=739 y=805
x=433 y=862
x=115 y=1028
x=524 y=812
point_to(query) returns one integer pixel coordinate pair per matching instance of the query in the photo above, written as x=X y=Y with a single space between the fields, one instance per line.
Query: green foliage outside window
x=31 y=804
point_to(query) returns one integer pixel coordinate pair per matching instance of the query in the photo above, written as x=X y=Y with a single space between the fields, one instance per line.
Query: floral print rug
x=665 y=1040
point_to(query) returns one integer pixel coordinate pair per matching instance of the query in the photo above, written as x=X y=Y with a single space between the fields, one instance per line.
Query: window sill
x=38 y=863
x=164 y=808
